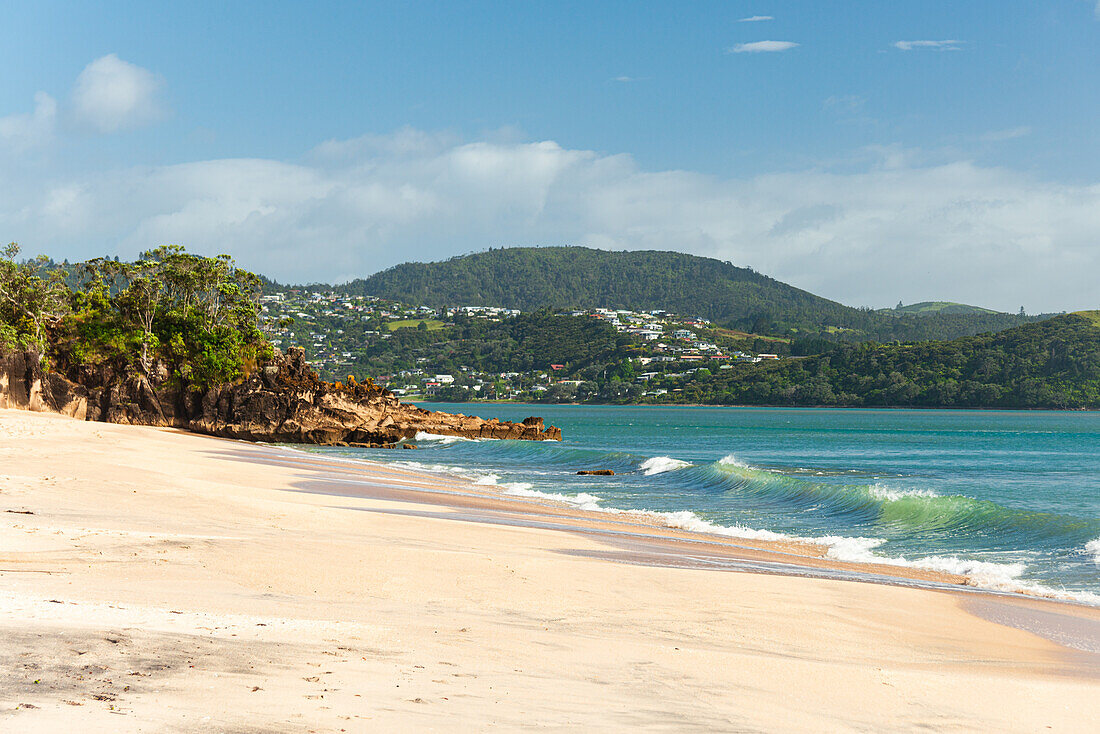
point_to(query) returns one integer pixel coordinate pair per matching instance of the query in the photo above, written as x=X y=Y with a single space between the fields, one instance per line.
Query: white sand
x=172 y=582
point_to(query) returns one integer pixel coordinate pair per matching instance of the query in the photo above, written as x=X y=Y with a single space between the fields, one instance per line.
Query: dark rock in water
x=283 y=401
x=596 y=472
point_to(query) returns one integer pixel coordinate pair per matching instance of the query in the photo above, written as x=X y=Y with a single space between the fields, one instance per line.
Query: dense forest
x=529 y=279
x=188 y=319
x=1052 y=364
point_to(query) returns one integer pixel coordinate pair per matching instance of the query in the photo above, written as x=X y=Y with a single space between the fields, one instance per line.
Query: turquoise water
x=1010 y=498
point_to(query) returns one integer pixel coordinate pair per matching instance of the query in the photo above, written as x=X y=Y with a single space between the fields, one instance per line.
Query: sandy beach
x=155 y=580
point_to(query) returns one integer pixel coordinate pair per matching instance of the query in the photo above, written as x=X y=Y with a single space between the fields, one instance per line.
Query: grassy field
x=941 y=307
x=1093 y=316
x=746 y=335
x=413 y=323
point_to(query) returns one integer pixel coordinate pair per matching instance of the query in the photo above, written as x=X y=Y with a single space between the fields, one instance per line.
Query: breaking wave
x=661 y=464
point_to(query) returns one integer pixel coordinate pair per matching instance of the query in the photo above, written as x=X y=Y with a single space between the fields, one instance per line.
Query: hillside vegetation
x=1052 y=364
x=577 y=277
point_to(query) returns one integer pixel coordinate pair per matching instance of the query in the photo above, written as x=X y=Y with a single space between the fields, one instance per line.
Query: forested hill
x=1053 y=364
x=577 y=277
x=529 y=279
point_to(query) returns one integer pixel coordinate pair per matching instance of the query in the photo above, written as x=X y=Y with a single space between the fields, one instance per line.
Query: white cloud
x=762 y=47
x=19 y=132
x=756 y=19
x=112 y=94
x=948 y=45
x=892 y=230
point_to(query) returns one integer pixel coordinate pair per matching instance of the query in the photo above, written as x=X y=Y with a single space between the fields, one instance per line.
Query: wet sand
x=173 y=582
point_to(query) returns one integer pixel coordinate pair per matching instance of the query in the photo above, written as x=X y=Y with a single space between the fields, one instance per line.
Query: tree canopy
x=190 y=318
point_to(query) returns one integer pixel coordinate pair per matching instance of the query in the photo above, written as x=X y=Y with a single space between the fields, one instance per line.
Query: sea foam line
x=1005 y=577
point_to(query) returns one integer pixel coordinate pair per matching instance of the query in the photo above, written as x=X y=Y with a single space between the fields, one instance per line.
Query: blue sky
x=867 y=151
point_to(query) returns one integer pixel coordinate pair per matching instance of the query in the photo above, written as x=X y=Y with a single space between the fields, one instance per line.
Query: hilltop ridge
x=533 y=278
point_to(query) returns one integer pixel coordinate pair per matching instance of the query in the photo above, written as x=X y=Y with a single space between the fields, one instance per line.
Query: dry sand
x=171 y=582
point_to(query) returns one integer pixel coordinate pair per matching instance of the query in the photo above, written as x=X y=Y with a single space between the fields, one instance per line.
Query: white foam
x=489 y=480
x=425 y=436
x=983 y=574
x=687 y=520
x=856 y=550
x=661 y=464
x=878 y=491
x=731 y=460
x=1093 y=549
x=583 y=501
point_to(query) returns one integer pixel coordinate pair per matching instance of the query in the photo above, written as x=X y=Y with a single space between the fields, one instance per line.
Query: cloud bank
x=756 y=19
x=892 y=231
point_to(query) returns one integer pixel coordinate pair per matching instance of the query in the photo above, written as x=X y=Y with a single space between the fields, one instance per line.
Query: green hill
x=1052 y=364
x=941 y=307
x=1093 y=316
x=577 y=277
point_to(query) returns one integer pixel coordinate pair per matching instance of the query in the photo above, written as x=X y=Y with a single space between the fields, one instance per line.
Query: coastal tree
x=31 y=298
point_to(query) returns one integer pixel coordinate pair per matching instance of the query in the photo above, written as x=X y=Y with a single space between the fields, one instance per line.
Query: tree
x=140 y=301
x=31 y=298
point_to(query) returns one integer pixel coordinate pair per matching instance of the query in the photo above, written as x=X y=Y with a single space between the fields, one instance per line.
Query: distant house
x=556 y=367
x=768 y=356
x=444 y=379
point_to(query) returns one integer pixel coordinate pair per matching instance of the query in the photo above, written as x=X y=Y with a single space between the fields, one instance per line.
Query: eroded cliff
x=282 y=401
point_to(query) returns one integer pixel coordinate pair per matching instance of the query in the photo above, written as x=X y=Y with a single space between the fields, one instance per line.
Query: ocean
x=1009 y=498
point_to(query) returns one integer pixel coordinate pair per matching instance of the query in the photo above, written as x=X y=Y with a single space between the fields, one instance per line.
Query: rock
x=596 y=472
x=282 y=402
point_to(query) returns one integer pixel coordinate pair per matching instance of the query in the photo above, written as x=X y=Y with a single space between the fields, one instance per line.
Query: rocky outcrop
x=25 y=384
x=283 y=401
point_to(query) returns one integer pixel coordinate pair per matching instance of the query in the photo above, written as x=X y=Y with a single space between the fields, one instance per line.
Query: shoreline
x=791 y=556
x=164 y=579
x=781 y=407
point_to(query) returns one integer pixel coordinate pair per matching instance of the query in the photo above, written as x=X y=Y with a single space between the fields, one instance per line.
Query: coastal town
x=344 y=335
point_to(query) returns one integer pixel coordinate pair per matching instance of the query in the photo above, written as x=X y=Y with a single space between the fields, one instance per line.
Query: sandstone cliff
x=284 y=401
